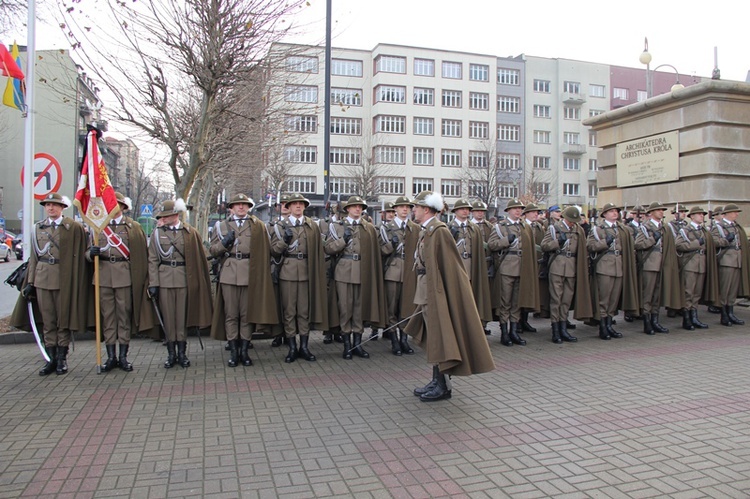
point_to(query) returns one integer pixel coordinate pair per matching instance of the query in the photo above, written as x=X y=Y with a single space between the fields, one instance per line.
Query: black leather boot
x=182 y=354
x=556 y=333
x=404 y=341
x=327 y=338
x=564 y=333
x=111 y=361
x=694 y=319
x=123 y=362
x=714 y=310
x=395 y=345
x=244 y=355
x=291 y=355
x=170 y=355
x=513 y=334
x=429 y=386
x=671 y=313
x=610 y=330
x=347 y=346
x=304 y=349
x=628 y=317
x=725 y=321
x=51 y=365
x=439 y=392
x=525 y=326
x=227 y=346
x=62 y=360
x=338 y=337
x=655 y=324
x=733 y=317
x=687 y=322
x=504 y=338
x=277 y=341
x=374 y=335
x=569 y=325
x=233 y=354
x=647 y=328
x=603 y=333
x=358 y=350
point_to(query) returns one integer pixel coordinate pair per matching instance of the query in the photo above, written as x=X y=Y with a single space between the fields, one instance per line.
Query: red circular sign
x=47 y=175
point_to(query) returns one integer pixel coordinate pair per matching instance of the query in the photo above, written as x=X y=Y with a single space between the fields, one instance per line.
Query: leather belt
x=52 y=260
x=239 y=256
x=296 y=256
x=354 y=257
x=569 y=254
x=113 y=259
x=172 y=263
x=614 y=252
x=465 y=255
x=421 y=271
x=699 y=251
x=514 y=252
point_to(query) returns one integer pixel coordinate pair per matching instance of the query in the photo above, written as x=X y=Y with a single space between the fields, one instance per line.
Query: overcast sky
x=682 y=34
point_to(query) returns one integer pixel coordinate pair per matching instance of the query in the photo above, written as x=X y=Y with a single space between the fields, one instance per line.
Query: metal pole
x=27 y=221
x=327 y=115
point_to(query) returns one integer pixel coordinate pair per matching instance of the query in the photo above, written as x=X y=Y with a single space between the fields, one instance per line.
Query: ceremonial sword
x=386 y=329
x=30 y=308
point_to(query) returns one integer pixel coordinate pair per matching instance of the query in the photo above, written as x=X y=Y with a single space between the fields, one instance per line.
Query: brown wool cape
x=672 y=286
x=744 y=291
x=262 y=306
x=75 y=282
x=409 y=286
x=373 y=287
x=582 y=299
x=480 y=284
x=198 y=280
x=528 y=296
x=455 y=340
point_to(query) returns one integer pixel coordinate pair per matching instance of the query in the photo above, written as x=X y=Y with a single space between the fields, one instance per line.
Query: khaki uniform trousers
x=651 y=291
x=393 y=300
x=49 y=305
x=561 y=291
x=295 y=305
x=729 y=284
x=173 y=307
x=236 y=323
x=610 y=289
x=350 y=307
x=116 y=326
x=510 y=288
x=693 y=288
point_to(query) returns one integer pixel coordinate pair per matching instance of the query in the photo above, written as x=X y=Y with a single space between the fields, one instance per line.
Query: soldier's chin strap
x=386 y=329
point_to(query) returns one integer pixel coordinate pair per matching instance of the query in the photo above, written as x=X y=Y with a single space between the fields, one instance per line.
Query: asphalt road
x=8 y=295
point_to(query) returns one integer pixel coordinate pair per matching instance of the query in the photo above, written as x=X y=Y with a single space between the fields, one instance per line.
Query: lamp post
x=645 y=58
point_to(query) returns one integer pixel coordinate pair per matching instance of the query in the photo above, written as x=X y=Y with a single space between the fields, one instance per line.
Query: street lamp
x=645 y=58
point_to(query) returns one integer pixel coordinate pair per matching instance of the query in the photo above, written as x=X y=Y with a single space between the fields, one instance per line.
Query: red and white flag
x=95 y=197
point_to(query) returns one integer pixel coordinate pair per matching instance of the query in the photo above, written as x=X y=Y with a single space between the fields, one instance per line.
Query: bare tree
x=12 y=14
x=487 y=173
x=174 y=68
x=537 y=186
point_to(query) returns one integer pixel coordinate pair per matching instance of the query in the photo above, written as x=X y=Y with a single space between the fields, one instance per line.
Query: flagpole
x=98 y=306
x=28 y=149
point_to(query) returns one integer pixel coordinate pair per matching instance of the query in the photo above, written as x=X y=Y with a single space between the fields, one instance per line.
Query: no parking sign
x=47 y=175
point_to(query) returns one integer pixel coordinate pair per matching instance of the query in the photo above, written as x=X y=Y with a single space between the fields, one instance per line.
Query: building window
x=424 y=126
x=387 y=93
x=593 y=165
x=592 y=139
x=391 y=185
x=509 y=133
x=346 y=186
x=595 y=112
x=508 y=76
x=478 y=189
x=390 y=124
x=423 y=156
x=424 y=96
x=303 y=185
x=508 y=161
x=620 y=93
x=391 y=155
x=542 y=111
x=451 y=98
x=572 y=164
x=390 y=64
x=507 y=104
x=479 y=72
x=479 y=101
x=542 y=137
x=479 y=130
x=641 y=95
x=424 y=67
x=450 y=188
x=542 y=162
x=572 y=138
x=420 y=184
x=346 y=97
x=572 y=113
x=593 y=190
x=346 y=156
x=346 y=126
x=508 y=190
x=305 y=124
x=302 y=64
x=541 y=86
x=572 y=87
x=450 y=157
x=541 y=188
x=346 y=67
x=597 y=91
x=301 y=93
x=479 y=159
x=452 y=70
x=571 y=189
x=301 y=154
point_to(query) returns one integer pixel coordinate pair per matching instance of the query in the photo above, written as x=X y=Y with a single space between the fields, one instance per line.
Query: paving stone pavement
x=643 y=416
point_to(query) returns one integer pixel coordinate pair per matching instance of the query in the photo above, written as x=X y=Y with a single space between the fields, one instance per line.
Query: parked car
x=5 y=252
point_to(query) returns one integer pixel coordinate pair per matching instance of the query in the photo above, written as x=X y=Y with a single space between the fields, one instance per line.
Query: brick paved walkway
x=644 y=416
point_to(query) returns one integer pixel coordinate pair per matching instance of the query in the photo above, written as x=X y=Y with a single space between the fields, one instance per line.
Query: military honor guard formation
x=412 y=275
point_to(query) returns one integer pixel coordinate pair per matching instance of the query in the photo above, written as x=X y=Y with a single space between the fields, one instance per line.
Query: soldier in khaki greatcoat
x=479 y=218
x=302 y=277
x=650 y=243
x=123 y=275
x=734 y=263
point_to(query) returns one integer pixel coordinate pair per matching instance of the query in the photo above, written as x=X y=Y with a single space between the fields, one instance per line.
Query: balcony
x=573 y=98
x=574 y=149
x=592 y=175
